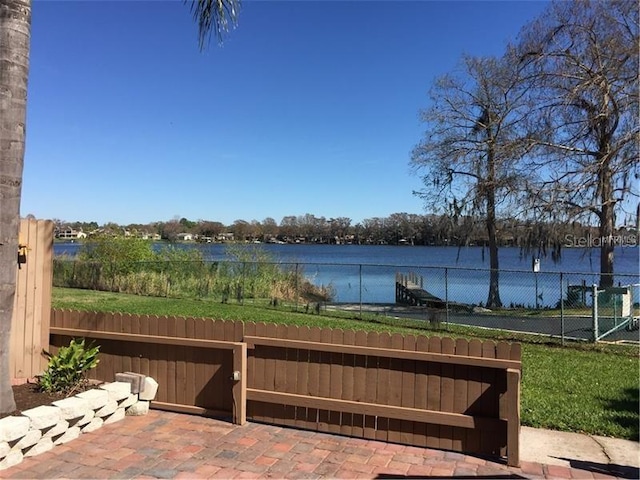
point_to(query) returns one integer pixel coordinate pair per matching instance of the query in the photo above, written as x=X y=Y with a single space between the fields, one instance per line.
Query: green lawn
x=580 y=387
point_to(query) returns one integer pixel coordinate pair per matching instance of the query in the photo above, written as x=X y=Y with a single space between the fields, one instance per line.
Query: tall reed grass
x=248 y=274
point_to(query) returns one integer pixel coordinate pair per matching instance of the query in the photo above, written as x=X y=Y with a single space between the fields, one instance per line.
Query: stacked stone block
x=40 y=429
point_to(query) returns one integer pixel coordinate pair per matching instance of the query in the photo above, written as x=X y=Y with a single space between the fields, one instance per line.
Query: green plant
x=117 y=255
x=67 y=369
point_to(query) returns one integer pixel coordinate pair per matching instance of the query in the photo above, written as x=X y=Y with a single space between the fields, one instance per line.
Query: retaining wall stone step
x=117 y=390
x=39 y=429
x=13 y=428
x=43 y=417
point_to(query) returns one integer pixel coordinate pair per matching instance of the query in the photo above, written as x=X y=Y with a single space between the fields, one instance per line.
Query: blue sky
x=307 y=107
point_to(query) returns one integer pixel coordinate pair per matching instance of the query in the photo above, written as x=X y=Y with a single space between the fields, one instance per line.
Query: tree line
x=541 y=238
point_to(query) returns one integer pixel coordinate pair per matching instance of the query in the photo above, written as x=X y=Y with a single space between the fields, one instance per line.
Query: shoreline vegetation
x=133 y=266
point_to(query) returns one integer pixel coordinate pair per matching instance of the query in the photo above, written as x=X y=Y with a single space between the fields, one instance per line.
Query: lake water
x=366 y=273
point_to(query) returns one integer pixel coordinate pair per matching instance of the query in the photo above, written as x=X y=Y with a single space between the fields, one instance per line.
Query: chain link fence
x=562 y=305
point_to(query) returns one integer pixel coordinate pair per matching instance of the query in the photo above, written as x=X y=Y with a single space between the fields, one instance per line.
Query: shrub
x=118 y=255
x=67 y=370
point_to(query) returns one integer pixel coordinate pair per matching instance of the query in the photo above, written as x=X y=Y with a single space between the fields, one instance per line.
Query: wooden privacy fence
x=32 y=305
x=432 y=392
x=192 y=360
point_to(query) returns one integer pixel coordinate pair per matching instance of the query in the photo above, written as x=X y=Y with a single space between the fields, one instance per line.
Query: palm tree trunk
x=15 y=32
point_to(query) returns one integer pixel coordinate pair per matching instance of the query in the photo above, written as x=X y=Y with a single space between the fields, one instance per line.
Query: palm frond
x=219 y=16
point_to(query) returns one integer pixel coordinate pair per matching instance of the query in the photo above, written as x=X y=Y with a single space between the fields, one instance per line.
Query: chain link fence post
x=446 y=297
x=295 y=288
x=562 y=308
x=594 y=312
x=360 y=292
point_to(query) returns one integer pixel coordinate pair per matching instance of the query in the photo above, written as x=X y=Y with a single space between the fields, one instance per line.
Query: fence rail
x=433 y=392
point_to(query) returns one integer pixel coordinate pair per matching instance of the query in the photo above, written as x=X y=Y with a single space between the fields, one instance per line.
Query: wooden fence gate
x=32 y=306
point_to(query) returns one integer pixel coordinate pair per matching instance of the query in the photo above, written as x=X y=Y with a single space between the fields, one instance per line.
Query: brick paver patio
x=170 y=445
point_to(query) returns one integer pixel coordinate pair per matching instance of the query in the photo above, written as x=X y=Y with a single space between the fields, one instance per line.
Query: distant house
x=70 y=234
x=185 y=237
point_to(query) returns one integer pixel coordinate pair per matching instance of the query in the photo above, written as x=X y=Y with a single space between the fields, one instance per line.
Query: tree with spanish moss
x=468 y=158
x=580 y=60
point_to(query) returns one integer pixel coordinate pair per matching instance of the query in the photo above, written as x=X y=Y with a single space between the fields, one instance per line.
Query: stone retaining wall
x=40 y=429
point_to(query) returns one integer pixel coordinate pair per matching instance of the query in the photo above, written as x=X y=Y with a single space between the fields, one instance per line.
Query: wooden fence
x=432 y=392
x=32 y=306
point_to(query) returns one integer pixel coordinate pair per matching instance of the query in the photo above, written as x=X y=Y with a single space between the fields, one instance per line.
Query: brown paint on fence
x=465 y=380
x=433 y=392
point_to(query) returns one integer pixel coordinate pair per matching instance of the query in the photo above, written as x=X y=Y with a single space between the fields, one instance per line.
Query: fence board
x=259 y=377
x=503 y=350
x=22 y=324
x=302 y=378
x=270 y=369
x=395 y=388
x=461 y=375
x=280 y=372
x=408 y=389
x=348 y=360
x=371 y=388
x=447 y=386
x=325 y=380
x=181 y=358
x=223 y=380
x=335 y=383
x=382 y=392
x=154 y=371
x=420 y=393
x=291 y=376
x=229 y=331
x=191 y=363
x=44 y=284
x=489 y=399
x=314 y=377
x=359 y=383
x=254 y=371
x=145 y=367
x=474 y=391
x=165 y=382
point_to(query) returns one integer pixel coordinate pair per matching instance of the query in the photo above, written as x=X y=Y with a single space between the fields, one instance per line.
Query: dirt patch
x=28 y=396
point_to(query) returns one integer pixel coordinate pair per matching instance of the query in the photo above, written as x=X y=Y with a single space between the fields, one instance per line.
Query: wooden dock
x=410 y=291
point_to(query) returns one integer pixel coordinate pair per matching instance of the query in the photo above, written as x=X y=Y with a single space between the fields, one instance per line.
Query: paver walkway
x=170 y=445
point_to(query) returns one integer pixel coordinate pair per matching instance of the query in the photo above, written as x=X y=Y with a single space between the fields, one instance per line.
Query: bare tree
x=269 y=228
x=469 y=155
x=15 y=34
x=289 y=227
x=581 y=58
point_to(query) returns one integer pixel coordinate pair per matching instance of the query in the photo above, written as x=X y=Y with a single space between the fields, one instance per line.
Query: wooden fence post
x=513 y=417
x=239 y=389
